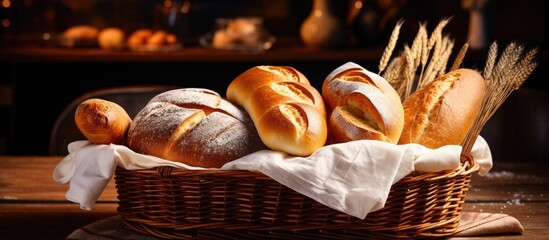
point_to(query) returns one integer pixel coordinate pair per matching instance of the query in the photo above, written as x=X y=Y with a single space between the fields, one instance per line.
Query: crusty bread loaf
x=442 y=112
x=102 y=121
x=361 y=105
x=288 y=112
x=193 y=126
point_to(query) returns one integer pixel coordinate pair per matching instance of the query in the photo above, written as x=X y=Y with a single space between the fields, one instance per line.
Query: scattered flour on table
x=511 y=175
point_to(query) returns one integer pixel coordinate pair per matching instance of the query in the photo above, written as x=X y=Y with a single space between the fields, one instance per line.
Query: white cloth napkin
x=353 y=177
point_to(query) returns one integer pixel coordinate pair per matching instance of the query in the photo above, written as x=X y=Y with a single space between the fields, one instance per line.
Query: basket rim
x=468 y=166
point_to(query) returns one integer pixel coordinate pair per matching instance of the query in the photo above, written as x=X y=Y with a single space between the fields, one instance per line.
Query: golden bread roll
x=361 y=105
x=139 y=37
x=442 y=112
x=152 y=38
x=287 y=111
x=102 y=121
x=111 y=38
x=82 y=32
x=193 y=126
x=158 y=38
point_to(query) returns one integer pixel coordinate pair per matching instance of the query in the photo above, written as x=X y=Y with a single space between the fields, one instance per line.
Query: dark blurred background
x=507 y=19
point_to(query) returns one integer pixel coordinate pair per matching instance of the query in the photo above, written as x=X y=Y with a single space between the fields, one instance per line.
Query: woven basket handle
x=466 y=158
x=469 y=162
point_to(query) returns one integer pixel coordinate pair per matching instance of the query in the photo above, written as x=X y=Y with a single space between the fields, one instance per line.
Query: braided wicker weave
x=213 y=204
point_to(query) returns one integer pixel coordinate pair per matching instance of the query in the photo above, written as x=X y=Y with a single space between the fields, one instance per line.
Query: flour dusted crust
x=361 y=105
x=193 y=126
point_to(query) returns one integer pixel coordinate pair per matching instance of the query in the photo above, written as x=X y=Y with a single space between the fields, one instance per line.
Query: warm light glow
x=46 y=36
x=168 y=3
x=6 y=23
x=186 y=7
x=358 y=4
x=318 y=13
x=6 y=3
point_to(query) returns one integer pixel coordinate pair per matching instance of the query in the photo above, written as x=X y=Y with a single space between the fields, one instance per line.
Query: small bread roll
x=443 y=111
x=111 y=38
x=151 y=38
x=171 y=39
x=158 y=38
x=102 y=121
x=82 y=32
x=139 y=37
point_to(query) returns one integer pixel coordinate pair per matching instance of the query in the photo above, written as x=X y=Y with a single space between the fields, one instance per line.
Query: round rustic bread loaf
x=194 y=126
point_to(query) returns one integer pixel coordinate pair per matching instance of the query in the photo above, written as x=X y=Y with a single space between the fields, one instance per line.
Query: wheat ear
x=505 y=75
x=460 y=56
x=491 y=60
x=390 y=47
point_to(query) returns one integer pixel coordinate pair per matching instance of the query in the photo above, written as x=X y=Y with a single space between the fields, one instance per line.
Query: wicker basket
x=213 y=204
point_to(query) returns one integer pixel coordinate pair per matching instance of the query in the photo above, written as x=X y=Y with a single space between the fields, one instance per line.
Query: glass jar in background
x=244 y=34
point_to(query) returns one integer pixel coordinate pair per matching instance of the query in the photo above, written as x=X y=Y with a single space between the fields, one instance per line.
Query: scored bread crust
x=361 y=105
x=288 y=112
x=193 y=126
x=443 y=111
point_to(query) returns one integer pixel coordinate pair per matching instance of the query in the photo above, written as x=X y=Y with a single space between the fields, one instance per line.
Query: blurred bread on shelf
x=143 y=37
x=153 y=40
x=111 y=38
x=80 y=36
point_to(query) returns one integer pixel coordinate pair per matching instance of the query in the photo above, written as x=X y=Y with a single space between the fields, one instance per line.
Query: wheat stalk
x=491 y=60
x=437 y=33
x=503 y=76
x=390 y=46
x=419 y=45
x=435 y=56
x=429 y=52
x=400 y=73
x=391 y=73
x=425 y=50
x=435 y=42
x=460 y=56
x=447 y=51
x=507 y=59
x=408 y=73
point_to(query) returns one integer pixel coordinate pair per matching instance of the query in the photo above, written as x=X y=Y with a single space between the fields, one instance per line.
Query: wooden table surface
x=33 y=206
